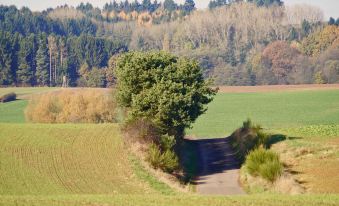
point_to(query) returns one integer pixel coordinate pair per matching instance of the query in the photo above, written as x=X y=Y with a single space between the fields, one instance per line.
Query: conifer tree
x=24 y=73
x=41 y=74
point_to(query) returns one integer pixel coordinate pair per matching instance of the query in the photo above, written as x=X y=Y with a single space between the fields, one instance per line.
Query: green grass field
x=43 y=159
x=13 y=112
x=272 y=110
x=24 y=91
x=87 y=164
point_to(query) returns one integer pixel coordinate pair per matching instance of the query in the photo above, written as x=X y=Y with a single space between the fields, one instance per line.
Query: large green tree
x=42 y=62
x=167 y=90
x=25 y=71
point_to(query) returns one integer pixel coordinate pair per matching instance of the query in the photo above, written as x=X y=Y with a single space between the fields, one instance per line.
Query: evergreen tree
x=24 y=73
x=337 y=22
x=170 y=5
x=305 y=28
x=146 y=5
x=293 y=35
x=6 y=76
x=230 y=54
x=331 y=21
x=188 y=6
x=42 y=59
x=216 y=3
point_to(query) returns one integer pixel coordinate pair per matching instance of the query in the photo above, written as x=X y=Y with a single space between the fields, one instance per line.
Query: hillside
x=237 y=43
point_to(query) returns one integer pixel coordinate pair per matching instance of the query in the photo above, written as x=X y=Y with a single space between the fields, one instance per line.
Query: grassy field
x=273 y=110
x=13 y=112
x=42 y=159
x=87 y=164
x=163 y=200
x=24 y=92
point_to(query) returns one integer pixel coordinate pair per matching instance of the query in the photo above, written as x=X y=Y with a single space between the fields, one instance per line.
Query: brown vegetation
x=76 y=106
x=315 y=165
x=276 y=88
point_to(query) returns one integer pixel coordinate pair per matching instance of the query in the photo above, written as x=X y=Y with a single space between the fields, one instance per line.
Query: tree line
x=233 y=42
x=43 y=60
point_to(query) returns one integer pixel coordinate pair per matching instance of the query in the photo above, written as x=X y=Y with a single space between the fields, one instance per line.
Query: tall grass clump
x=264 y=163
x=250 y=137
x=72 y=106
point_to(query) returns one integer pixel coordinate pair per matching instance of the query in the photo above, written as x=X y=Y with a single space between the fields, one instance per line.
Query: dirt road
x=219 y=168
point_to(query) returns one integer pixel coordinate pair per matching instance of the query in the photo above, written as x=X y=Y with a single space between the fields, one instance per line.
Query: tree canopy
x=168 y=90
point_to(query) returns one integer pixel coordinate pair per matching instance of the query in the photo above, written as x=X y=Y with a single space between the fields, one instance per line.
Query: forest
x=256 y=42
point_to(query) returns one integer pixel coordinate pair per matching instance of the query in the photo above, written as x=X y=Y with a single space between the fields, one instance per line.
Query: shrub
x=249 y=137
x=142 y=130
x=166 y=160
x=8 y=97
x=264 y=163
x=167 y=142
x=76 y=106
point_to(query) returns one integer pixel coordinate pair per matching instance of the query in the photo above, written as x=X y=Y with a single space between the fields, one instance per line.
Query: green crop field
x=88 y=164
x=273 y=110
x=43 y=159
x=13 y=112
x=23 y=92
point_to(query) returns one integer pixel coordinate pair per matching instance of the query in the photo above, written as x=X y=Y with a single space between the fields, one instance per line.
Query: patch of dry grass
x=314 y=164
x=72 y=106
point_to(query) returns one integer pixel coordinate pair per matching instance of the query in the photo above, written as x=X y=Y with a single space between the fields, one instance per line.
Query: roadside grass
x=46 y=159
x=163 y=200
x=13 y=112
x=271 y=110
x=144 y=175
x=313 y=161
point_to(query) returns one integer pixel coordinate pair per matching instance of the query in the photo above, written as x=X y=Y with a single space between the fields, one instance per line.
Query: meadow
x=88 y=164
x=43 y=159
x=292 y=110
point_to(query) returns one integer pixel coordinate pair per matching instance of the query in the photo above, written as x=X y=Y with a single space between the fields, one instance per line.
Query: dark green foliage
x=25 y=71
x=293 y=35
x=170 y=5
x=6 y=59
x=267 y=2
x=166 y=160
x=230 y=54
x=96 y=78
x=26 y=60
x=188 y=6
x=159 y=86
x=264 y=163
x=42 y=62
x=250 y=137
x=8 y=97
x=305 y=28
x=216 y=3
x=337 y=22
x=331 y=21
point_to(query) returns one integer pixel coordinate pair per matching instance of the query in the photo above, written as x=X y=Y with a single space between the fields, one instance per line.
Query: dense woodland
x=254 y=42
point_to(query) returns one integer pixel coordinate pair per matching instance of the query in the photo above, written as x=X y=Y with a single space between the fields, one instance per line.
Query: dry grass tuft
x=72 y=106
